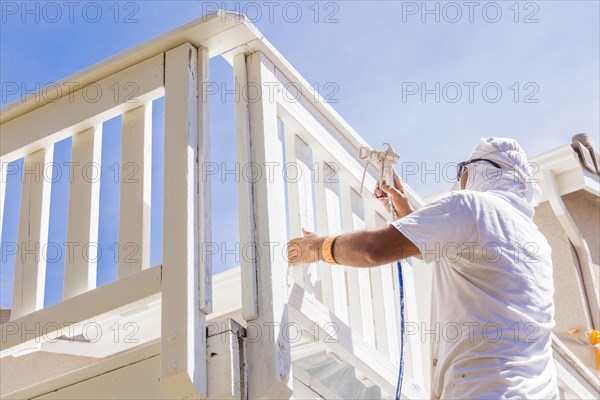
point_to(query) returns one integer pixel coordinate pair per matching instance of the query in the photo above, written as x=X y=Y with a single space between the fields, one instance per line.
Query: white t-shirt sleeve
x=440 y=227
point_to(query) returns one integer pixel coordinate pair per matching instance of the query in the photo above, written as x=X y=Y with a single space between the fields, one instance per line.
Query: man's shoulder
x=458 y=198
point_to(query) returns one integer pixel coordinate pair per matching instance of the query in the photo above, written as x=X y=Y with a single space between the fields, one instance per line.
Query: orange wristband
x=327 y=249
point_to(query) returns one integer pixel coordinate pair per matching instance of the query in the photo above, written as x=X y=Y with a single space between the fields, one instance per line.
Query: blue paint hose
x=401 y=294
x=401 y=369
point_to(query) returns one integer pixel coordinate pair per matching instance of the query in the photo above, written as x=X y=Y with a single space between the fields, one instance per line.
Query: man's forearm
x=370 y=248
x=354 y=249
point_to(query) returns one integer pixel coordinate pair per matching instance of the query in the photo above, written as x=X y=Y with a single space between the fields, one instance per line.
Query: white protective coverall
x=492 y=306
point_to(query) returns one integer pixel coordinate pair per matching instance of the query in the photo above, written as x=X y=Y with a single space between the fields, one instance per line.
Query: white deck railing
x=287 y=134
x=297 y=136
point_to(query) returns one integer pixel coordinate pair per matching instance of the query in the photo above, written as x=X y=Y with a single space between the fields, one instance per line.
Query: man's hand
x=306 y=249
x=397 y=194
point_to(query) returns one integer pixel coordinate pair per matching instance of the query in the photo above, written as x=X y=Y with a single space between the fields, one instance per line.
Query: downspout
x=590 y=283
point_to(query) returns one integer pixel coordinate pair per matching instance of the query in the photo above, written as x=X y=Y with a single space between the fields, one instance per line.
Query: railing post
x=183 y=345
x=270 y=374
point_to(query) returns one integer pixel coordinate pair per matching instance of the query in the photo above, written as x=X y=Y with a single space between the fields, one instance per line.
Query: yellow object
x=595 y=341
x=327 y=250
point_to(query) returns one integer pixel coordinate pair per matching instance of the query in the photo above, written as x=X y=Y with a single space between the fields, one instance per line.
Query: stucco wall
x=570 y=305
x=584 y=207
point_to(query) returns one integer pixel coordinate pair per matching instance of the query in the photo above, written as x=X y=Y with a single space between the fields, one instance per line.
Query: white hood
x=516 y=175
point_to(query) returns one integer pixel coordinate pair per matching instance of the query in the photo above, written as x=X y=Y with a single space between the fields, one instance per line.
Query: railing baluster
x=305 y=197
x=328 y=202
x=359 y=282
x=364 y=274
x=299 y=271
x=354 y=304
x=30 y=268
x=379 y=316
x=84 y=205
x=413 y=344
x=324 y=270
x=386 y=319
x=3 y=175
x=136 y=179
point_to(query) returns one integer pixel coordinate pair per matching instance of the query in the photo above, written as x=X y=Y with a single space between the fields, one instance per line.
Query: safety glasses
x=461 y=165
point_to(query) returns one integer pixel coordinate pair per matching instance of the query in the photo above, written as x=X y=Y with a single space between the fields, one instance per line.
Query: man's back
x=492 y=308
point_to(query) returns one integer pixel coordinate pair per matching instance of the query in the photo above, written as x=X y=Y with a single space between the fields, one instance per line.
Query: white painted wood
x=137 y=380
x=83 y=212
x=364 y=274
x=330 y=129
x=83 y=374
x=3 y=176
x=183 y=346
x=328 y=143
x=422 y=281
x=226 y=365
x=245 y=199
x=572 y=382
x=396 y=282
x=331 y=181
x=119 y=330
x=354 y=299
x=328 y=134
x=204 y=185
x=573 y=373
x=309 y=313
x=136 y=181
x=85 y=108
x=305 y=203
x=227 y=295
x=272 y=375
x=218 y=31
x=381 y=334
x=30 y=266
x=413 y=342
x=392 y=316
x=333 y=281
x=293 y=172
x=324 y=272
x=80 y=308
x=312 y=103
x=305 y=386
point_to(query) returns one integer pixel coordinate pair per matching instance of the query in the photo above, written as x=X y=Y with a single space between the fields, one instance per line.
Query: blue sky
x=367 y=57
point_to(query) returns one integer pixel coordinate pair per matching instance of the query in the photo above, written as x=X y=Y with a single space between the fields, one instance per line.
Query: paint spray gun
x=384 y=162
